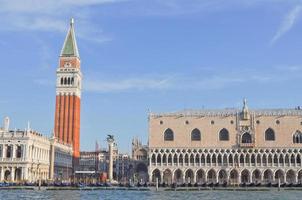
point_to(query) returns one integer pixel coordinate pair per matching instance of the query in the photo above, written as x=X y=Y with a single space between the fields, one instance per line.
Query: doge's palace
x=227 y=146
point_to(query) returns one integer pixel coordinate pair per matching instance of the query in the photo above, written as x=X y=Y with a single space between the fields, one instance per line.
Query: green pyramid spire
x=70 y=47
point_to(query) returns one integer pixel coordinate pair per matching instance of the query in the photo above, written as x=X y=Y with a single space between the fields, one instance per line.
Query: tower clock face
x=67 y=64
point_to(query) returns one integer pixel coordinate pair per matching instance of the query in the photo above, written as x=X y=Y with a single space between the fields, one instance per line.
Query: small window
x=195 y=135
x=269 y=135
x=168 y=135
x=224 y=135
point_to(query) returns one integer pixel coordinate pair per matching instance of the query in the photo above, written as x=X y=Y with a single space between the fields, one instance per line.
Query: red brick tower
x=68 y=94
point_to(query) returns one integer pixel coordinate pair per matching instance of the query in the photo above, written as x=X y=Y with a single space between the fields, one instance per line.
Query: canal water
x=146 y=195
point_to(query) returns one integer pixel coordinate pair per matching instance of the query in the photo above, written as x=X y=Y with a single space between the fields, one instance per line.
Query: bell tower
x=68 y=94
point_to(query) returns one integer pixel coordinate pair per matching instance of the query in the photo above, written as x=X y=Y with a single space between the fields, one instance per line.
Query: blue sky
x=162 y=55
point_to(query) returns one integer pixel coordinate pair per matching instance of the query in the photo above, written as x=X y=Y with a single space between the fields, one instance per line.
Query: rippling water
x=146 y=195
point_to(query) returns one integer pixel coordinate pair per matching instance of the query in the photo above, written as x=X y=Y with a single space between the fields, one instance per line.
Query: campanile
x=68 y=93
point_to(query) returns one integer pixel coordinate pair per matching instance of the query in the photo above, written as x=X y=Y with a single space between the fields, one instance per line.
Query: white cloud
x=215 y=81
x=126 y=84
x=52 y=16
x=201 y=81
x=287 y=23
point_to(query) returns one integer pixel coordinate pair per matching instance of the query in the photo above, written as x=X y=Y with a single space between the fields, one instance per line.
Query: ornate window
x=246 y=138
x=297 y=137
x=195 y=135
x=168 y=135
x=269 y=135
x=224 y=135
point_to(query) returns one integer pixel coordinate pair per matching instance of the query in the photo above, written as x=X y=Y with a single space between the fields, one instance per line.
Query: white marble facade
x=25 y=155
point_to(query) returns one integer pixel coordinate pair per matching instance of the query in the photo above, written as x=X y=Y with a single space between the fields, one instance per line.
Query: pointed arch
x=192 y=159
x=178 y=176
x=269 y=134
x=245 y=176
x=256 y=176
x=164 y=159
x=186 y=159
x=189 y=176
x=211 y=176
x=279 y=174
x=158 y=160
x=268 y=176
x=200 y=176
x=224 y=135
x=246 y=138
x=197 y=159
x=258 y=159
x=222 y=176
x=196 y=135
x=170 y=159
x=167 y=176
x=213 y=159
x=153 y=159
x=230 y=159
x=291 y=176
x=208 y=160
x=181 y=159
x=175 y=159
x=168 y=135
x=234 y=176
x=297 y=137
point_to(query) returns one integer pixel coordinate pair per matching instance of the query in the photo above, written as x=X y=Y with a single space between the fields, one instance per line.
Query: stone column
x=110 y=141
x=13 y=174
x=2 y=174
x=4 y=151
x=161 y=177
x=24 y=171
x=14 y=151
x=194 y=177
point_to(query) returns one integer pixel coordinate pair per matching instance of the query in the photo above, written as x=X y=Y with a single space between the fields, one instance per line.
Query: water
x=146 y=195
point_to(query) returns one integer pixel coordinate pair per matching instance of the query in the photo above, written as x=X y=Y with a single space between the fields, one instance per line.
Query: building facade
x=230 y=146
x=139 y=161
x=68 y=94
x=97 y=162
x=26 y=155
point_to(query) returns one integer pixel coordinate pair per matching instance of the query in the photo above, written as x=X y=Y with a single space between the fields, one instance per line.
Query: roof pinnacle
x=71 y=21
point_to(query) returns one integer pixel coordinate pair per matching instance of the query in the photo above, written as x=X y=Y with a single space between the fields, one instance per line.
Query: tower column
x=110 y=141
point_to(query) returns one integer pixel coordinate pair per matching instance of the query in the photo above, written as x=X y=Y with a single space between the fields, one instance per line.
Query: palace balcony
x=247 y=145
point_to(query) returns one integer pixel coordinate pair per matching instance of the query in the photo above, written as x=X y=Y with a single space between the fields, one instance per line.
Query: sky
x=148 y=55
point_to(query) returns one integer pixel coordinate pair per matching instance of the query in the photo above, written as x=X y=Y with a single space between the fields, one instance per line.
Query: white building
x=26 y=155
